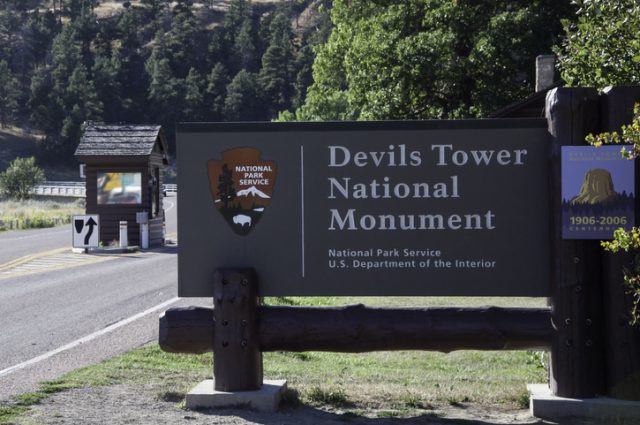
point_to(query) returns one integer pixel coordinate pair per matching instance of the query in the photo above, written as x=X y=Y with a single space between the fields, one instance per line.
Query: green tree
x=304 y=78
x=216 y=92
x=429 y=58
x=184 y=40
x=194 y=97
x=108 y=87
x=603 y=47
x=276 y=75
x=275 y=80
x=240 y=103
x=9 y=94
x=131 y=66
x=164 y=91
x=80 y=104
x=244 y=48
x=39 y=100
x=20 y=178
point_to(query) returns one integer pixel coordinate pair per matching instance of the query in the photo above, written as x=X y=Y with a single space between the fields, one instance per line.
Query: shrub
x=22 y=176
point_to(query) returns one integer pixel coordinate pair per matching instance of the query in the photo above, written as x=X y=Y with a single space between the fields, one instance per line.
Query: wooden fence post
x=622 y=341
x=577 y=363
x=237 y=357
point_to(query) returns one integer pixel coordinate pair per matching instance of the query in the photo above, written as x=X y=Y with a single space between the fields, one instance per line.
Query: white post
x=142 y=218
x=144 y=235
x=124 y=239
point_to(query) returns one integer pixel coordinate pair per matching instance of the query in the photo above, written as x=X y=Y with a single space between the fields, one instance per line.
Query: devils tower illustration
x=241 y=185
x=597 y=188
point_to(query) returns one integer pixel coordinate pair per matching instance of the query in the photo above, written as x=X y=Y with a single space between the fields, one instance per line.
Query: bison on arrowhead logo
x=242 y=186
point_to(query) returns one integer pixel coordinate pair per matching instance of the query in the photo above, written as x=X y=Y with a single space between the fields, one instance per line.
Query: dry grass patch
x=37 y=214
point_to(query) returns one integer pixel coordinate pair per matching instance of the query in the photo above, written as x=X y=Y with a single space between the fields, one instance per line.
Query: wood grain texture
x=236 y=350
x=577 y=352
x=622 y=341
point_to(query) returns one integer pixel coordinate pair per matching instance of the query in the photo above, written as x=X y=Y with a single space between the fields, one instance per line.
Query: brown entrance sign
x=372 y=208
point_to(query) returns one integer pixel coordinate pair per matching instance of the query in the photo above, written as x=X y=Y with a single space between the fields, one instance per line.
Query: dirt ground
x=119 y=405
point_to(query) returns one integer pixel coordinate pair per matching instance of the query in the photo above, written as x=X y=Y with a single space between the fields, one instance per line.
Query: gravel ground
x=120 y=405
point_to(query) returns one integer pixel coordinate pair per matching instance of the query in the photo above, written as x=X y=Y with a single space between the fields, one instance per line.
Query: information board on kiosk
x=456 y=208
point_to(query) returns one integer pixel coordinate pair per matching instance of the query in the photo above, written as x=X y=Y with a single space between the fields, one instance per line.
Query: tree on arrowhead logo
x=242 y=186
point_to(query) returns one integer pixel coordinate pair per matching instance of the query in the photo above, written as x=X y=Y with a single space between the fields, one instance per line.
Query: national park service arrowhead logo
x=241 y=185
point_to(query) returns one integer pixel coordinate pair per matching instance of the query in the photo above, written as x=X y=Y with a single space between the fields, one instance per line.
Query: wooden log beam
x=357 y=328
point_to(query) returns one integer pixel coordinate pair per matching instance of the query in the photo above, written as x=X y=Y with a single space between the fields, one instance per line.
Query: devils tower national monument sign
x=367 y=208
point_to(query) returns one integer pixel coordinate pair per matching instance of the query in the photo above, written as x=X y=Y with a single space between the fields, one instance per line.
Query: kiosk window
x=119 y=188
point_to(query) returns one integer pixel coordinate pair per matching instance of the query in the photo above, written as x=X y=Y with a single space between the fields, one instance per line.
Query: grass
x=389 y=384
x=37 y=214
x=9 y=413
x=384 y=384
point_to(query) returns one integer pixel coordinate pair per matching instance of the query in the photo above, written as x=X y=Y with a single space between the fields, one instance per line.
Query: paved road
x=55 y=321
x=19 y=243
x=171 y=212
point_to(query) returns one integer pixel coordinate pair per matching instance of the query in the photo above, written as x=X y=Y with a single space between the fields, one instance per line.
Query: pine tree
x=131 y=75
x=85 y=28
x=107 y=85
x=276 y=75
x=275 y=80
x=216 y=92
x=239 y=11
x=39 y=100
x=184 y=39
x=165 y=92
x=244 y=48
x=9 y=94
x=80 y=104
x=194 y=97
x=304 y=77
x=240 y=103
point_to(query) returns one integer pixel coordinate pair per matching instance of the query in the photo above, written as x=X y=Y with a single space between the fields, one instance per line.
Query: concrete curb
x=544 y=405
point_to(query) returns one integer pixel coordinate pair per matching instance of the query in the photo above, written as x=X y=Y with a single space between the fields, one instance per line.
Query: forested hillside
x=65 y=62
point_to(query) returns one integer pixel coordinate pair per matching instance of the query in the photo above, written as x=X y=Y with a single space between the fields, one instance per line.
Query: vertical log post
x=622 y=341
x=577 y=358
x=237 y=357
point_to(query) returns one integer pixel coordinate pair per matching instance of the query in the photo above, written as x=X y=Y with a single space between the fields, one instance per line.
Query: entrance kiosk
x=124 y=169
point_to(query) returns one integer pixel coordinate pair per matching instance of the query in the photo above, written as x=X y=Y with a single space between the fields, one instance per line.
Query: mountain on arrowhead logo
x=242 y=186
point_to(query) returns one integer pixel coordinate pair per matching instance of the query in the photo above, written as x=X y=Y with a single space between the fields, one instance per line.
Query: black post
x=577 y=363
x=622 y=341
x=237 y=357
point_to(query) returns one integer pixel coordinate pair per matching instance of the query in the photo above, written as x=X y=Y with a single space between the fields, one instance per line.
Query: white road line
x=172 y=205
x=86 y=339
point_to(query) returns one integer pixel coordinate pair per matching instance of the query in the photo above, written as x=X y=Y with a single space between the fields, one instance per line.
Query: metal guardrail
x=77 y=189
x=70 y=189
x=166 y=188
